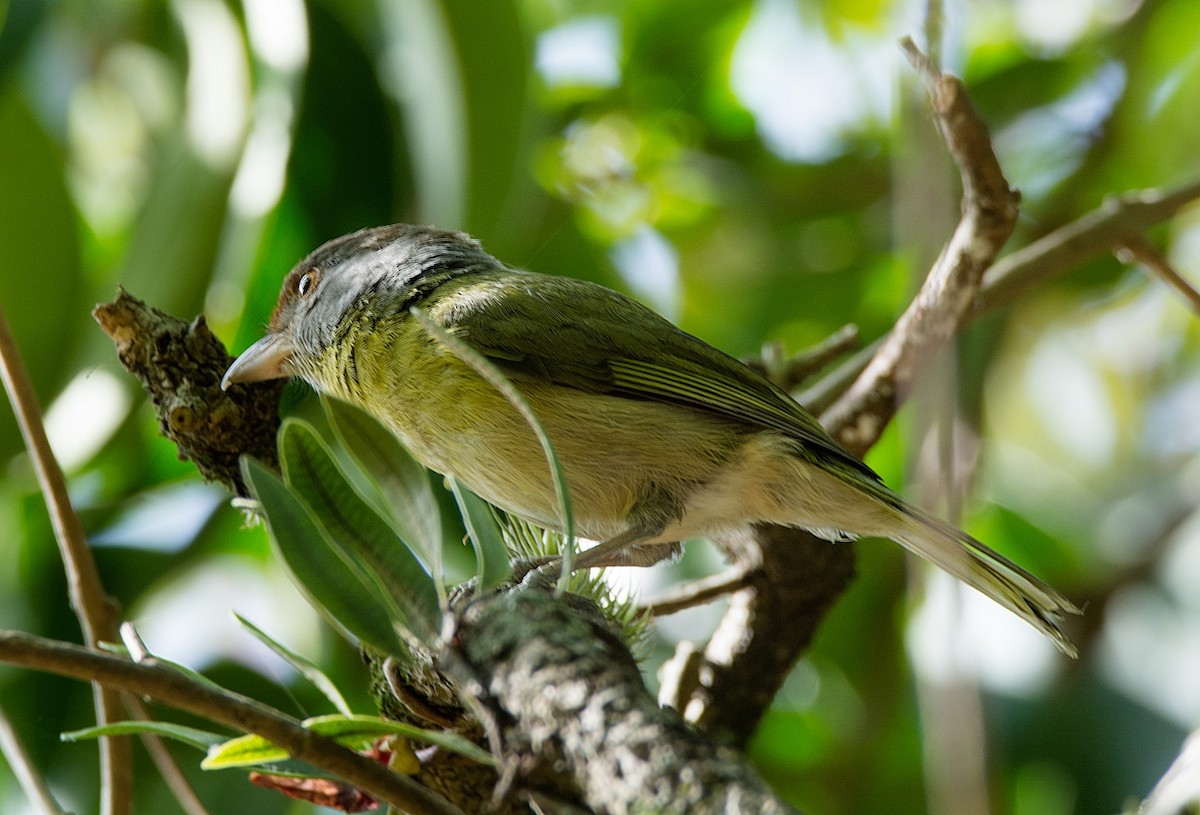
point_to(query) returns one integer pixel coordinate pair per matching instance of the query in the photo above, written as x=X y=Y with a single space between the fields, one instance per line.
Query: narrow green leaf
x=303 y=666
x=500 y=382
x=200 y=739
x=403 y=484
x=353 y=732
x=190 y=673
x=360 y=729
x=491 y=555
x=310 y=470
x=319 y=568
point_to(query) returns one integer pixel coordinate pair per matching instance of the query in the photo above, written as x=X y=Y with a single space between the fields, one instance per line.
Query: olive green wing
x=585 y=336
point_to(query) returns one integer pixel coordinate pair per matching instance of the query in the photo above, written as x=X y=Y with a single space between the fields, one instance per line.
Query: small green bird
x=661 y=436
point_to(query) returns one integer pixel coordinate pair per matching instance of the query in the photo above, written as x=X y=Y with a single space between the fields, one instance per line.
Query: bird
x=661 y=436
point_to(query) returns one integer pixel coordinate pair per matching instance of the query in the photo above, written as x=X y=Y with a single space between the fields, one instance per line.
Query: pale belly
x=628 y=462
x=622 y=457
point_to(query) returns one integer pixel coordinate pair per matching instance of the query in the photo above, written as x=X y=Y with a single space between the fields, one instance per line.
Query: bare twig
x=171 y=687
x=1099 y=232
x=31 y=781
x=1179 y=788
x=697 y=592
x=789 y=374
x=948 y=296
x=1136 y=249
x=770 y=624
x=97 y=612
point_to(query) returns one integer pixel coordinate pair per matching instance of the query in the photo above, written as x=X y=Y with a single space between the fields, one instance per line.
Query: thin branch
x=788 y=374
x=159 y=754
x=769 y=625
x=32 y=783
x=97 y=612
x=1136 y=249
x=1097 y=233
x=948 y=297
x=171 y=687
x=697 y=593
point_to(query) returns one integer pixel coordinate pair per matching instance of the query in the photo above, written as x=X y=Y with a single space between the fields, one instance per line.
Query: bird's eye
x=306 y=283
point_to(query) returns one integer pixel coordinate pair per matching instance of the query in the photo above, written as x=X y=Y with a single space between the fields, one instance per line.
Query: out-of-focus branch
x=171 y=687
x=1097 y=233
x=32 y=783
x=1136 y=249
x=97 y=612
x=790 y=373
x=1179 y=788
x=165 y=763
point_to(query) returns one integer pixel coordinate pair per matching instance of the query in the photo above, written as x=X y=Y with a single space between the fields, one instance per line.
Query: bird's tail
x=987 y=571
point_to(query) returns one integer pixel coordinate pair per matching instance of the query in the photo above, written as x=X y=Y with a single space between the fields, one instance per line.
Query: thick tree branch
x=561 y=687
x=793 y=577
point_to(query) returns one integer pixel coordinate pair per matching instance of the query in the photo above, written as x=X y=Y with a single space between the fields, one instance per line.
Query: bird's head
x=363 y=275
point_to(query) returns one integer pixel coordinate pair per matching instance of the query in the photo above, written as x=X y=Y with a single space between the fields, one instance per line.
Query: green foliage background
x=192 y=150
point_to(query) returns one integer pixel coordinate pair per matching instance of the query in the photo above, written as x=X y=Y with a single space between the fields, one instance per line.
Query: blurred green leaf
x=357 y=529
x=200 y=739
x=402 y=483
x=43 y=291
x=302 y=665
x=334 y=585
x=495 y=107
x=491 y=555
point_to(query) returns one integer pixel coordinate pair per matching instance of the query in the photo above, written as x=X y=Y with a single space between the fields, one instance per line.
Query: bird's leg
x=641 y=555
x=611 y=552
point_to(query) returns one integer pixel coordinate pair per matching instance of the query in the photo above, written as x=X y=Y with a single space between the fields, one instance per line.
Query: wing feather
x=585 y=336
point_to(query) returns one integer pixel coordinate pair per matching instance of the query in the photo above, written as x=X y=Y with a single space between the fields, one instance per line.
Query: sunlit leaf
x=353 y=732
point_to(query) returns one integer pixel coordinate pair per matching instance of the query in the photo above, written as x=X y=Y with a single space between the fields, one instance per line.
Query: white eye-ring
x=306 y=283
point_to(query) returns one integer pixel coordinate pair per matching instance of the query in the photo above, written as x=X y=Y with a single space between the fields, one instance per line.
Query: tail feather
x=989 y=572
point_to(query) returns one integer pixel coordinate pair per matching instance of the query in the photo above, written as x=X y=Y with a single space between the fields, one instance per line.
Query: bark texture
x=561 y=686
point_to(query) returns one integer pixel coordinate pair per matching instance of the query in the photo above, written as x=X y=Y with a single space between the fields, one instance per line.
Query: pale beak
x=266 y=359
